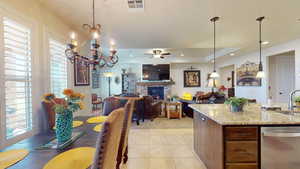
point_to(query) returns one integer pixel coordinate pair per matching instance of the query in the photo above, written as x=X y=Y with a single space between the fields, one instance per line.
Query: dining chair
x=108 y=141
x=123 y=146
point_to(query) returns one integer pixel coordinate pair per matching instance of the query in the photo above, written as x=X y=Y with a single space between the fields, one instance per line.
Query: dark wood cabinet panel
x=242 y=166
x=241 y=151
x=226 y=147
x=208 y=141
x=241 y=133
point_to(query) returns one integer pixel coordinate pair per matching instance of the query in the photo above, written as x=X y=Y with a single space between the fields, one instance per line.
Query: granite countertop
x=252 y=115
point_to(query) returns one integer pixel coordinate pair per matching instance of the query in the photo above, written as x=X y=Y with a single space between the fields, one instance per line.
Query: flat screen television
x=156 y=72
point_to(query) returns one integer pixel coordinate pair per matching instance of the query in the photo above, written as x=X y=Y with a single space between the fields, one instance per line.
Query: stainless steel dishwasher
x=280 y=148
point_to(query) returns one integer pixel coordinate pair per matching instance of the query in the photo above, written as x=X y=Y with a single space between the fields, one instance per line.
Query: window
x=17 y=78
x=58 y=67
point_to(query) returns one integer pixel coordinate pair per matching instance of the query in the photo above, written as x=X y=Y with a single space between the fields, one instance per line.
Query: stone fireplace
x=155 y=89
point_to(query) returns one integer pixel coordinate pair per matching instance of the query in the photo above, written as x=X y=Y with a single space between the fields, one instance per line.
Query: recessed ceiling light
x=232 y=54
x=265 y=42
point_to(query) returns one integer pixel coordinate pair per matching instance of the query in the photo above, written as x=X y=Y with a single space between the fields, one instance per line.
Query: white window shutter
x=58 y=67
x=17 y=76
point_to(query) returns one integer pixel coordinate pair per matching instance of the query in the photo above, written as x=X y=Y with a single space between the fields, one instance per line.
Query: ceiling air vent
x=136 y=5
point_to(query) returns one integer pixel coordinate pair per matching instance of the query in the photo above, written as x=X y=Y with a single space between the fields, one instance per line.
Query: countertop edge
x=248 y=123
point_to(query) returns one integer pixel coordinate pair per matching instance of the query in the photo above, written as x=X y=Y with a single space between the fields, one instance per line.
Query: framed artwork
x=192 y=78
x=246 y=75
x=81 y=73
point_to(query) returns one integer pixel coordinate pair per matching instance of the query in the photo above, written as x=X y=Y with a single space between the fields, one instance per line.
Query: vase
x=64 y=126
x=238 y=108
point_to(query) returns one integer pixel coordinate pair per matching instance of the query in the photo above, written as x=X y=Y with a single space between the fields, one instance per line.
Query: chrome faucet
x=291 y=101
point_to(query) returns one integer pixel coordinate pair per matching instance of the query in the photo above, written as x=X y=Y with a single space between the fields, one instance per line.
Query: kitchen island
x=226 y=140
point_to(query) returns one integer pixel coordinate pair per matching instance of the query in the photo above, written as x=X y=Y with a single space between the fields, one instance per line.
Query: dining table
x=37 y=158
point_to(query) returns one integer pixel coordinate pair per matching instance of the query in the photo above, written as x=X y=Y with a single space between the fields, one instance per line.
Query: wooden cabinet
x=208 y=141
x=226 y=147
x=241 y=151
x=241 y=166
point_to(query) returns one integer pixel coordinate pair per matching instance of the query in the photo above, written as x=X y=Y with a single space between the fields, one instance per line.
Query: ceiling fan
x=157 y=53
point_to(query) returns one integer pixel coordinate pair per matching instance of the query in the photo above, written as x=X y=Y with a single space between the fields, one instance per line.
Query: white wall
x=44 y=24
x=176 y=74
x=261 y=93
x=117 y=70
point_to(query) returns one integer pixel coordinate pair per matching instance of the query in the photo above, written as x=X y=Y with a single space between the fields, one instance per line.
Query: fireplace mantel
x=155 y=83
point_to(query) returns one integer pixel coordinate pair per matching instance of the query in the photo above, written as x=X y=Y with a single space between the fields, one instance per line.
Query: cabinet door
x=199 y=136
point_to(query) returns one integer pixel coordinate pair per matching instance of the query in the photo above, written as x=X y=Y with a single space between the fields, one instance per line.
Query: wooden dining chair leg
x=125 y=155
x=119 y=161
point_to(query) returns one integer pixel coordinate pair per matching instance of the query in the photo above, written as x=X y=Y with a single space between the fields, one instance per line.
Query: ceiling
x=184 y=24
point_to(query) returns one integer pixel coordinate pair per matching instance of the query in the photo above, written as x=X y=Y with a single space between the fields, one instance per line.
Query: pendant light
x=214 y=74
x=260 y=73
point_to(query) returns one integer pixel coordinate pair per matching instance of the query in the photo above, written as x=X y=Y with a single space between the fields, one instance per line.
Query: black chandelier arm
x=114 y=59
x=87 y=27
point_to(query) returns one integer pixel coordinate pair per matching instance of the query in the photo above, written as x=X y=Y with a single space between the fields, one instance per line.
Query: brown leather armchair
x=110 y=104
x=152 y=109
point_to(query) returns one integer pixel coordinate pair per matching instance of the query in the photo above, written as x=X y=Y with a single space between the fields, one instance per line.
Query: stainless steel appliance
x=280 y=148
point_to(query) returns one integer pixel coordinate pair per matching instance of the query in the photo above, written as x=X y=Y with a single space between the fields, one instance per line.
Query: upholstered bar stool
x=108 y=141
x=123 y=146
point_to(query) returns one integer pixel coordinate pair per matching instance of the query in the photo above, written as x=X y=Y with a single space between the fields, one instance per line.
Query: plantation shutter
x=58 y=67
x=17 y=76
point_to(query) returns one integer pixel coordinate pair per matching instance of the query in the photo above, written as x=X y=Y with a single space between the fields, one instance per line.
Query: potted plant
x=64 y=113
x=236 y=104
x=297 y=102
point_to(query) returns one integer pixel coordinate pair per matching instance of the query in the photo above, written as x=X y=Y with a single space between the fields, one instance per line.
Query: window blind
x=17 y=76
x=58 y=67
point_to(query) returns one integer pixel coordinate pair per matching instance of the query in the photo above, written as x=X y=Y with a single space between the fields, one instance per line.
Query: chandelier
x=96 y=58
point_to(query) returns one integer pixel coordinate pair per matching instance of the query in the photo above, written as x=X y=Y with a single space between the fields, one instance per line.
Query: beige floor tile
x=188 y=163
x=138 y=151
x=162 y=163
x=156 y=140
x=173 y=139
x=137 y=163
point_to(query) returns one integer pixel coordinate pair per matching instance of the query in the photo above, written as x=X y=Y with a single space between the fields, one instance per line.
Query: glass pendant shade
x=214 y=75
x=260 y=74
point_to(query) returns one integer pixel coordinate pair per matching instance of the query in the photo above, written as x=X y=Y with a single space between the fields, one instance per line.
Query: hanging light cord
x=214 y=45
x=260 y=41
x=93 y=13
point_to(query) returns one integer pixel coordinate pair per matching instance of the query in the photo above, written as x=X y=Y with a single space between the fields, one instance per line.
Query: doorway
x=227 y=79
x=281 y=76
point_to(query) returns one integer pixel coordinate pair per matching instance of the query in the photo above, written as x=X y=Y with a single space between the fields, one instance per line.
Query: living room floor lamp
x=109 y=75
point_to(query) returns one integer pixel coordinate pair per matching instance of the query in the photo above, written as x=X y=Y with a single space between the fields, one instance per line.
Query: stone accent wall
x=143 y=90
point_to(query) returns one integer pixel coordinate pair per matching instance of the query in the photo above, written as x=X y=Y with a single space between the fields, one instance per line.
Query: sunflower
x=82 y=96
x=68 y=92
x=48 y=97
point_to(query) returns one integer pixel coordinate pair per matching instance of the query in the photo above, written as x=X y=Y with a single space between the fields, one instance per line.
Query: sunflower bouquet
x=72 y=102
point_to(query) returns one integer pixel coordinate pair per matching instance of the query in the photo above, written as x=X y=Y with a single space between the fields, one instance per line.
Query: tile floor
x=162 y=148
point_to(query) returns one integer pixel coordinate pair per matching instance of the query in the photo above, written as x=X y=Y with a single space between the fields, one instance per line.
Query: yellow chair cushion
x=11 y=157
x=75 y=124
x=77 y=158
x=97 y=119
x=98 y=127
